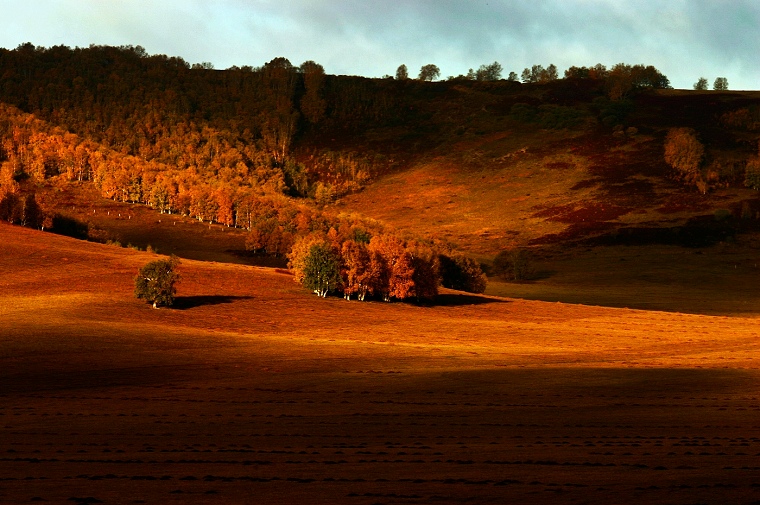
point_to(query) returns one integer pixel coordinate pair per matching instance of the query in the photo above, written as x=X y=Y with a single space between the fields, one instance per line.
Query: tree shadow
x=456 y=300
x=190 y=302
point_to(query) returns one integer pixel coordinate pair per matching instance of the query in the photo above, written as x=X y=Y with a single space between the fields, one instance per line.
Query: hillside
x=253 y=387
x=569 y=168
x=522 y=185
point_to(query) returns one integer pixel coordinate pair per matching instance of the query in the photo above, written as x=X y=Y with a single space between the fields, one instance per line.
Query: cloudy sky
x=684 y=39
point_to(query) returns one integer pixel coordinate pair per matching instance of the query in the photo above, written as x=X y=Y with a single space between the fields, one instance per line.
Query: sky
x=684 y=39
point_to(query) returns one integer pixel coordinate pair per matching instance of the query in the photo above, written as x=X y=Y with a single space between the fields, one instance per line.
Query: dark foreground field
x=254 y=391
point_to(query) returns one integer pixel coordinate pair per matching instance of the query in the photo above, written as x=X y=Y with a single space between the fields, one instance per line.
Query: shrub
x=155 y=282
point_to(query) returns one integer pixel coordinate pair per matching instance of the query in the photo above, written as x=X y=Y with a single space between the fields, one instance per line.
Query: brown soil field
x=252 y=390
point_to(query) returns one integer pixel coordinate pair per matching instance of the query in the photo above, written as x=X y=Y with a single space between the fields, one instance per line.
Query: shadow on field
x=455 y=300
x=190 y=302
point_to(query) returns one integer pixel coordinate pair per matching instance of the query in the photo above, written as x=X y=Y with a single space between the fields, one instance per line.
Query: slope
x=252 y=389
x=516 y=183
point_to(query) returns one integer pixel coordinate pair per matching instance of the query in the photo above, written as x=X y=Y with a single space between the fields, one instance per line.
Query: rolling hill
x=253 y=389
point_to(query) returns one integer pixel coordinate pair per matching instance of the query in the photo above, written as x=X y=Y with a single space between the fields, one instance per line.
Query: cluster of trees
x=539 y=74
x=356 y=256
x=622 y=79
x=385 y=266
x=720 y=84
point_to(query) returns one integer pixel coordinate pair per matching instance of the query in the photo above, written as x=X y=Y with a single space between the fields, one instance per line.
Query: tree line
x=619 y=81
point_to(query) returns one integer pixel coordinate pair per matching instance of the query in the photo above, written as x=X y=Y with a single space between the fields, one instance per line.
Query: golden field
x=252 y=390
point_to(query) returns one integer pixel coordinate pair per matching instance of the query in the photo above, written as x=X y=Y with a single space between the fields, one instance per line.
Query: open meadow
x=252 y=390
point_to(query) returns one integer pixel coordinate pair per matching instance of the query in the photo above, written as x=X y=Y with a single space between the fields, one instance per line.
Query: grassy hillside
x=518 y=184
x=253 y=389
x=558 y=167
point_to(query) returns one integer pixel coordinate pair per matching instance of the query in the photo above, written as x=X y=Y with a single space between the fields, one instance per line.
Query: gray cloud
x=685 y=39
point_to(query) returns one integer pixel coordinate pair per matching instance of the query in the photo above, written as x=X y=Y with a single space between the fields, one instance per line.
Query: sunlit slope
x=517 y=189
x=55 y=288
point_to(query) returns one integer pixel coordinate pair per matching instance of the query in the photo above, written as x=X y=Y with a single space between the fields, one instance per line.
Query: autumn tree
x=752 y=173
x=684 y=153
x=357 y=271
x=429 y=72
x=720 y=84
x=155 y=282
x=701 y=84
x=401 y=278
x=424 y=272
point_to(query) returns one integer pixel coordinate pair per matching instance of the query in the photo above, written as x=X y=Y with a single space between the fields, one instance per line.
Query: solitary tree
x=701 y=84
x=155 y=282
x=720 y=84
x=402 y=73
x=429 y=72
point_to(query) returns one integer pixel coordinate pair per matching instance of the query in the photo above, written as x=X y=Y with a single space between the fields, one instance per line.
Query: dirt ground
x=254 y=391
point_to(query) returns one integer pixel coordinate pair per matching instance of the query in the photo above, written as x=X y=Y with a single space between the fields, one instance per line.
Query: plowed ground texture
x=252 y=390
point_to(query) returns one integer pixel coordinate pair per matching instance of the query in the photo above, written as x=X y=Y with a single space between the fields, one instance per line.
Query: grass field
x=254 y=391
